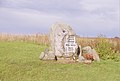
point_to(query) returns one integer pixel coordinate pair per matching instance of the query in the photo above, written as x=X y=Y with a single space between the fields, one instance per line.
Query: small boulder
x=90 y=54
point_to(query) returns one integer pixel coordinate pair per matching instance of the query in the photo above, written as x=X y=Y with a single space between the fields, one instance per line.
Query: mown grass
x=19 y=62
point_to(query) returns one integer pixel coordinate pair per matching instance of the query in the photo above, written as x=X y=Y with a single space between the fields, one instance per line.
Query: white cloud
x=28 y=14
x=25 y=19
x=92 y=5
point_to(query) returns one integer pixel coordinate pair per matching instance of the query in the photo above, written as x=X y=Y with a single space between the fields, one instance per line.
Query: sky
x=87 y=17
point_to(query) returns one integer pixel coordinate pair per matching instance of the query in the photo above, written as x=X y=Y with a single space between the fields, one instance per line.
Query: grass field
x=19 y=61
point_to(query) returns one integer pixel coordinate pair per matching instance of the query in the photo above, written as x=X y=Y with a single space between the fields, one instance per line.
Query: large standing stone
x=63 y=42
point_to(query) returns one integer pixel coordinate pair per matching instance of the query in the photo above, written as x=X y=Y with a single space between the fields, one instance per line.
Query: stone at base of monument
x=95 y=55
x=47 y=55
x=81 y=59
x=89 y=53
x=42 y=55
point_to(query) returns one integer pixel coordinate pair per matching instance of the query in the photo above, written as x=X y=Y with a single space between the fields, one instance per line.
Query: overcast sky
x=86 y=17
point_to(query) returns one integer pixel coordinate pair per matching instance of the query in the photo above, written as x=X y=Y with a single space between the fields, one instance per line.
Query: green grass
x=20 y=62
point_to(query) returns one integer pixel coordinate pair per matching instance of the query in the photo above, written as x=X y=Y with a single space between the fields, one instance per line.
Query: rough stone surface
x=81 y=59
x=86 y=50
x=90 y=54
x=47 y=55
x=42 y=55
x=63 y=43
x=60 y=36
x=95 y=55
